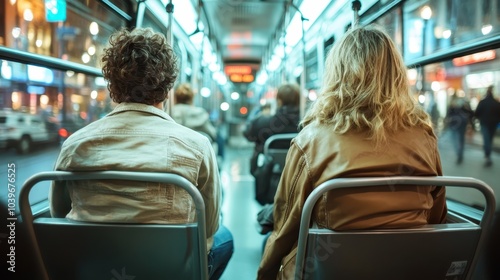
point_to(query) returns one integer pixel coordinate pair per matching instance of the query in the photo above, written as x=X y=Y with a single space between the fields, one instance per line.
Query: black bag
x=253 y=163
x=265 y=219
x=267 y=178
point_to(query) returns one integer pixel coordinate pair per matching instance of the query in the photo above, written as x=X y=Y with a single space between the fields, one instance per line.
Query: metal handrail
x=47 y=61
x=167 y=178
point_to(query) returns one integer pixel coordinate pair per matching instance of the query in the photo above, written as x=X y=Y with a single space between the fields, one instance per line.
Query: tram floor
x=239 y=211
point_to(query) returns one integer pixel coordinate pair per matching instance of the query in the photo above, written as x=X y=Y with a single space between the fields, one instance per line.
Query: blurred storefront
x=451 y=47
x=70 y=30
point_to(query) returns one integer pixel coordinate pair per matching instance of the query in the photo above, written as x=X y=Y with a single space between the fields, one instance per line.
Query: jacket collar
x=126 y=106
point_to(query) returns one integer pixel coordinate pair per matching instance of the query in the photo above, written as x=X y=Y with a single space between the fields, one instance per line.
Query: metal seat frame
x=67 y=249
x=442 y=251
x=277 y=155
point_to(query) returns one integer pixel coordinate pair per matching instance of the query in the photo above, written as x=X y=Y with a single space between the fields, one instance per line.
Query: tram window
x=376 y=7
x=451 y=23
x=178 y=52
x=328 y=45
x=124 y=5
x=86 y=97
x=312 y=78
x=74 y=41
x=392 y=24
x=151 y=21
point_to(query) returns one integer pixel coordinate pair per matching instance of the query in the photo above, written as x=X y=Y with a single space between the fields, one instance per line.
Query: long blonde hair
x=366 y=88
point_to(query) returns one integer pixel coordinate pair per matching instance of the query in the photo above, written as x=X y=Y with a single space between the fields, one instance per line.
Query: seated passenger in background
x=138 y=135
x=364 y=123
x=285 y=120
x=185 y=113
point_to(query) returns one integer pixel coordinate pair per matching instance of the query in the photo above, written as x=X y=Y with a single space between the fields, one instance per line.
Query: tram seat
x=270 y=168
x=68 y=249
x=438 y=251
x=276 y=147
x=492 y=253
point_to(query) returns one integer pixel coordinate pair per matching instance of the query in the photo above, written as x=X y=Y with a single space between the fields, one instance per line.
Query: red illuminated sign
x=237 y=78
x=238 y=69
x=474 y=58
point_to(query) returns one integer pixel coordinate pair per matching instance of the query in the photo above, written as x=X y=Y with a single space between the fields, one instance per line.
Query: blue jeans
x=488 y=131
x=458 y=134
x=221 y=253
x=220 y=145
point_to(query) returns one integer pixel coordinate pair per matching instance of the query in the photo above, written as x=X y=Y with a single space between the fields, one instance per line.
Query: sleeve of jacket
x=293 y=189
x=60 y=202
x=59 y=199
x=209 y=186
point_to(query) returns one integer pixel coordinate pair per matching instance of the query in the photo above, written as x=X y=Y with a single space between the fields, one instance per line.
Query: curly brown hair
x=139 y=66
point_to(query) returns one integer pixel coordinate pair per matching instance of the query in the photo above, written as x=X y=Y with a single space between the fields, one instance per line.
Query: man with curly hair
x=141 y=68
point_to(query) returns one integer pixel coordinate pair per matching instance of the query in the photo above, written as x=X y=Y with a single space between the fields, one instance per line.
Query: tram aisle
x=239 y=211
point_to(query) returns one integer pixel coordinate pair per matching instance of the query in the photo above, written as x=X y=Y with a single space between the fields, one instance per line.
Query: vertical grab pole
x=170 y=39
x=139 y=18
x=285 y=56
x=356 y=6
x=303 y=75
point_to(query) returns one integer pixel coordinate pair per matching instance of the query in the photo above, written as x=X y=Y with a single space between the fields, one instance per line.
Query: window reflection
x=83 y=34
x=435 y=25
x=56 y=94
x=466 y=76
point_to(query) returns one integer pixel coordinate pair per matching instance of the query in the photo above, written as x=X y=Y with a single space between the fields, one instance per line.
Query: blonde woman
x=364 y=123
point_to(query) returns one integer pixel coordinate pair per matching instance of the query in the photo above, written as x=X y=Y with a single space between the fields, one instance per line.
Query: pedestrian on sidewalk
x=458 y=116
x=488 y=114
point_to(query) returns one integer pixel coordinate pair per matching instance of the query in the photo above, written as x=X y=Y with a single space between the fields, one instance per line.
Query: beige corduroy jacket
x=137 y=137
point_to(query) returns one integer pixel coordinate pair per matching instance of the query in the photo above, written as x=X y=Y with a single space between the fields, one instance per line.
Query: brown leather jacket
x=317 y=154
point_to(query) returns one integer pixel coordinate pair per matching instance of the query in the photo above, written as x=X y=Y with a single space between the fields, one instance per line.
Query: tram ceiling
x=243 y=29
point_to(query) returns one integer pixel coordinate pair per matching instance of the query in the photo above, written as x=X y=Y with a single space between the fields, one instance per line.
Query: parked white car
x=22 y=130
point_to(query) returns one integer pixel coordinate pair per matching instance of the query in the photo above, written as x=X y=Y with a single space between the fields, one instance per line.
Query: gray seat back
x=441 y=251
x=69 y=249
x=276 y=148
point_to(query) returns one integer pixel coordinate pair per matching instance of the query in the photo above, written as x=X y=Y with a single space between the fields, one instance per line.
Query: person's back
x=458 y=117
x=186 y=114
x=364 y=123
x=488 y=113
x=459 y=113
x=410 y=152
x=285 y=120
x=139 y=136
x=488 y=109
